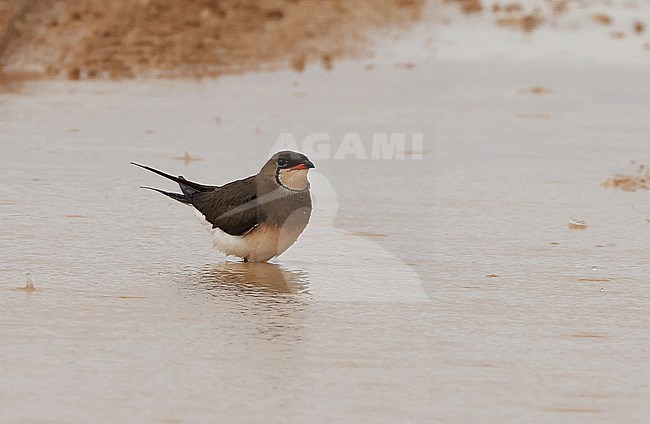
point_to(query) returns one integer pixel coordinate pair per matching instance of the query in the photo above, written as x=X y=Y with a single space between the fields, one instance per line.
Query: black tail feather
x=180 y=180
x=176 y=196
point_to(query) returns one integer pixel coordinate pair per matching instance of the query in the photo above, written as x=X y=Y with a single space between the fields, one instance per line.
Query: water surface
x=442 y=289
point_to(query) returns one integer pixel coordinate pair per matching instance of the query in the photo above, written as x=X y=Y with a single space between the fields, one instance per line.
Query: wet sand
x=443 y=289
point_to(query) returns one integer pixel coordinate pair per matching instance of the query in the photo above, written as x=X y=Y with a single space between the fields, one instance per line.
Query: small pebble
x=30 y=285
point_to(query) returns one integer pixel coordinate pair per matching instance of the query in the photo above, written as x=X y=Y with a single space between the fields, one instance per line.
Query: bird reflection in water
x=255 y=304
x=251 y=277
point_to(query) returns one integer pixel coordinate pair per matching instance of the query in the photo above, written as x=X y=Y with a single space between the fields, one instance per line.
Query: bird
x=255 y=218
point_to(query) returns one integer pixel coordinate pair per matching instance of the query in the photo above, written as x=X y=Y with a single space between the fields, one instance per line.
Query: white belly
x=258 y=245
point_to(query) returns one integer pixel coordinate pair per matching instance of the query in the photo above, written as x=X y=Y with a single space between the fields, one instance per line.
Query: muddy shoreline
x=157 y=38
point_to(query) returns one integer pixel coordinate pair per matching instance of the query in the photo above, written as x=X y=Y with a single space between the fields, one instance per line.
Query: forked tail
x=176 y=196
x=187 y=187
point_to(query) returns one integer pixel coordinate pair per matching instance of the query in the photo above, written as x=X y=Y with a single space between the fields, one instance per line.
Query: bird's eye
x=282 y=163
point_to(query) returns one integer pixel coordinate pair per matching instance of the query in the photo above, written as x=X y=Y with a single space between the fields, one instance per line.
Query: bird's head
x=289 y=169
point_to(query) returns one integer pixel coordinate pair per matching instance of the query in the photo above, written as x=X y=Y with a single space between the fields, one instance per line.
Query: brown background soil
x=80 y=39
x=162 y=38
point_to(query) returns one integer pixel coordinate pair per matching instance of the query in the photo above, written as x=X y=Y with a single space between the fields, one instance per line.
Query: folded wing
x=233 y=208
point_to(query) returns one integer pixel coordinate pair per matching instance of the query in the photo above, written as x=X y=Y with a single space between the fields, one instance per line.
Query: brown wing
x=233 y=208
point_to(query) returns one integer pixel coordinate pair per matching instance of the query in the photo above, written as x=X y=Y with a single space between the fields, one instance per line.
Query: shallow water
x=442 y=289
